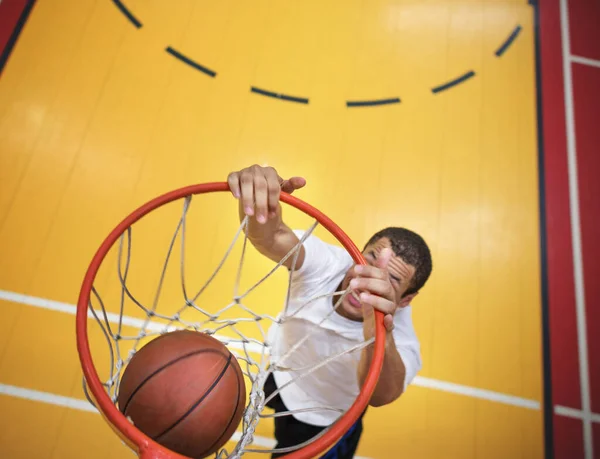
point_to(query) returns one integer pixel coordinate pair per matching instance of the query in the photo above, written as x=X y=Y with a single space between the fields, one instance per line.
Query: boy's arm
x=391 y=379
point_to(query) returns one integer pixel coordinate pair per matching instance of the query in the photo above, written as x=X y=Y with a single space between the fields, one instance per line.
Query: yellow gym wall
x=96 y=118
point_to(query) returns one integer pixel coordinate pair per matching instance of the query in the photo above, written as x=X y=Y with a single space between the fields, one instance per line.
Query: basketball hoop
x=101 y=391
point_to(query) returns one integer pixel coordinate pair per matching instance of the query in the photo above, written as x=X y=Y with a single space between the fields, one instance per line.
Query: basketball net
x=125 y=334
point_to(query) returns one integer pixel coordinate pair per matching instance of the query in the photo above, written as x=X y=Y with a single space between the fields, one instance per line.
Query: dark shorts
x=290 y=432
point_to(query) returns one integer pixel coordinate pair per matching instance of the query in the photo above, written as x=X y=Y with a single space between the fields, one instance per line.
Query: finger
x=371 y=271
x=368 y=311
x=273 y=190
x=297 y=182
x=381 y=304
x=261 y=197
x=388 y=322
x=384 y=258
x=233 y=180
x=375 y=286
x=368 y=321
x=292 y=184
x=247 y=192
x=286 y=186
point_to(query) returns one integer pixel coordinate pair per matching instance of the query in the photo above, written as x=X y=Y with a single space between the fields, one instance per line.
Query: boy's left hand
x=376 y=292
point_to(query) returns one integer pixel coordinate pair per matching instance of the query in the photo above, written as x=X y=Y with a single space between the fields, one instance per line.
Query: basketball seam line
x=237 y=404
x=165 y=366
x=195 y=405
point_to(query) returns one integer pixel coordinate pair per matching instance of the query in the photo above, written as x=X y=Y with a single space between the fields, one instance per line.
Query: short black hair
x=412 y=249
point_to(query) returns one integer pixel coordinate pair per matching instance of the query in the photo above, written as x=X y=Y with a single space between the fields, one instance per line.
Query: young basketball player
x=399 y=264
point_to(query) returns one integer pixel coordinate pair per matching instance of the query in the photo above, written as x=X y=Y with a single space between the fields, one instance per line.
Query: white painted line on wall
x=420 y=381
x=576 y=414
x=83 y=405
x=585 y=61
x=576 y=231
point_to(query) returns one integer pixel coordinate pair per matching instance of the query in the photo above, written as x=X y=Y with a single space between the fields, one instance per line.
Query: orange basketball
x=186 y=391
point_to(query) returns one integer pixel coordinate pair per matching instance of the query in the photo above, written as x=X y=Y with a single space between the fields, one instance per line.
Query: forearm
x=391 y=380
x=273 y=239
x=262 y=236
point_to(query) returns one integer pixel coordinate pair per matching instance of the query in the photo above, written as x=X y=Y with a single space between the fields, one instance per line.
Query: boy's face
x=400 y=274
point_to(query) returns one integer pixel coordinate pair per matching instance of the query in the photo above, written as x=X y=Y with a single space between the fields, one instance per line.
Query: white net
x=129 y=319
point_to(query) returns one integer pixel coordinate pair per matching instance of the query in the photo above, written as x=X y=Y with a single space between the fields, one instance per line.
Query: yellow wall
x=96 y=118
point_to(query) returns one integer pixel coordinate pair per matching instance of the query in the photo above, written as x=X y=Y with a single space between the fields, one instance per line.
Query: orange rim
x=145 y=446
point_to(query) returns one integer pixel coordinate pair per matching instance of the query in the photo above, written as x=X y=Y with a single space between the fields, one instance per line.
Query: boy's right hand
x=258 y=190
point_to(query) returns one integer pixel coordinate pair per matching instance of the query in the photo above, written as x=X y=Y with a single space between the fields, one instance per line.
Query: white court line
x=112 y=318
x=585 y=61
x=474 y=392
x=418 y=381
x=45 y=397
x=259 y=441
x=576 y=414
x=576 y=232
x=83 y=405
x=430 y=383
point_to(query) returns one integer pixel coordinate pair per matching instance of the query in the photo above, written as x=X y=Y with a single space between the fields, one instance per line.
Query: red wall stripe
x=568 y=435
x=13 y=16
x=567 y=432
x=584 y=17
x=10 y=12
x=585 y=42
x=586 y=91
x=563 y=326
x=596 y=437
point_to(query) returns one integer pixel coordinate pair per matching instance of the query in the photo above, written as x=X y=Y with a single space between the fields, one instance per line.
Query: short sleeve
x=407 y=344
x=321 y=260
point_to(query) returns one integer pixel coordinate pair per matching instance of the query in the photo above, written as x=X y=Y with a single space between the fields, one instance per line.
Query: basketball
x=186 y=391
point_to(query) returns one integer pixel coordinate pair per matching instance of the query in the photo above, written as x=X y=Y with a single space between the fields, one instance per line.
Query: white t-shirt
x=336 y=383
